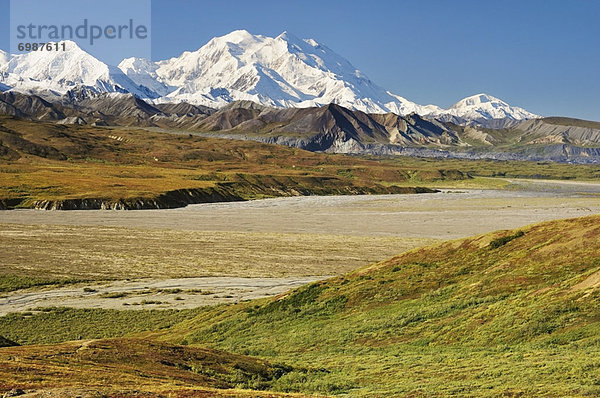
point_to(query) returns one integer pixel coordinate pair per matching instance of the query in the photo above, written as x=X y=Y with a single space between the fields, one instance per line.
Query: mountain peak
x=58 y=72
x=239 y=36
x=73 y=64
x=484 y=107
x=287 y=36
x=296 y=44
x=137 y=64
x=477 y=99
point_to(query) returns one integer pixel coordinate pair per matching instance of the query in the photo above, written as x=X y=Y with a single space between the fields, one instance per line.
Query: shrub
x=496 y=243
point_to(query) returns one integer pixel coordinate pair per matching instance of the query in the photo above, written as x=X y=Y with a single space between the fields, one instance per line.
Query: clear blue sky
x=543 y=55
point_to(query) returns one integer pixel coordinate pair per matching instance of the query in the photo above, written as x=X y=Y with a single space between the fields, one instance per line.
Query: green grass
x=54 y=325
x=88 y=163
x=12 y=282
x=4 y=342
x=567 y=121
x=497 y=168
x=465 y=318
x=496 y=243
x=504 y=314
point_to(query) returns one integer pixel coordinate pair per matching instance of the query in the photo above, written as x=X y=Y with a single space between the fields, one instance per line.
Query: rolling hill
x=134 y=368
x=51 y=166
x=333 y=128
x=508 y=313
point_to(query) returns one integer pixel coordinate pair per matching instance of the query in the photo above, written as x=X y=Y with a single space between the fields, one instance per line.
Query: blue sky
x=540 y=55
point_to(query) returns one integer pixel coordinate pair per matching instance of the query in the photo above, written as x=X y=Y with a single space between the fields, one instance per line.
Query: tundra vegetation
x=469 y=317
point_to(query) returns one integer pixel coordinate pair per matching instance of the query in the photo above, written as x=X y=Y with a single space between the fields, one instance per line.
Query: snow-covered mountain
x=483 y=107
x=143 y=72
x=4 y=57
x=279 y=72
x=60 y=71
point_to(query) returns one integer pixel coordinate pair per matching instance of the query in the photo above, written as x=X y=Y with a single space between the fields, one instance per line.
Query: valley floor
x=138 y=255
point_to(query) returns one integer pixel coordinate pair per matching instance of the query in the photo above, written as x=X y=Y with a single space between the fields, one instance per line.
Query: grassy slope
x=498 y=168
x=134 y=367
x=502 y=313
x=567 y=121
x=44 y=161
x=55 y=325
x=461 y=318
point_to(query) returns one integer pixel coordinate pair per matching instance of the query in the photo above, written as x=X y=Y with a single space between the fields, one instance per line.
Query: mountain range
x=330 y=128
x=282 y=91
x=278 y=72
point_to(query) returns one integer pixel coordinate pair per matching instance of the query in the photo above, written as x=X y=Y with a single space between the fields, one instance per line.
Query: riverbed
x=262 y=241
